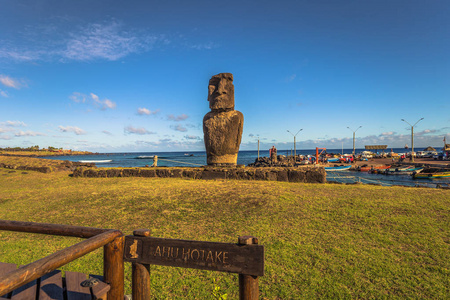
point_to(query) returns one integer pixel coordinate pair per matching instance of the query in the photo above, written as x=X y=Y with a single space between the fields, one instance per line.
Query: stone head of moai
x=222 y=126
x=221 y=92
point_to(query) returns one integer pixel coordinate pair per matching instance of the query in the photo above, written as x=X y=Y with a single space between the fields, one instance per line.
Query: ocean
x=198 y=159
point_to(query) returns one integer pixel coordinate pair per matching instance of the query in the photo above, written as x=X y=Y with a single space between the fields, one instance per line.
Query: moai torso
x=222 y=126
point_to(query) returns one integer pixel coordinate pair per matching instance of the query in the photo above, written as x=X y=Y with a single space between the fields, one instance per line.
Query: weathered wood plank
x=51 y=286
x=74 y=289
x=54 y=229
x=234 y=258
x=5 y=268
x=26 y=291
x=99 y=291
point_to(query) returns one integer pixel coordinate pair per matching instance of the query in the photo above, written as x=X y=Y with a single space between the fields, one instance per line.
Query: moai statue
x=222 y=126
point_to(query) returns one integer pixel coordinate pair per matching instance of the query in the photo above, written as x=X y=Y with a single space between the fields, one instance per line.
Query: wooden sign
x=234 y=258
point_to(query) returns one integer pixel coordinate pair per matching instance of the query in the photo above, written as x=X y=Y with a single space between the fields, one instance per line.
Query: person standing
x=273 y=155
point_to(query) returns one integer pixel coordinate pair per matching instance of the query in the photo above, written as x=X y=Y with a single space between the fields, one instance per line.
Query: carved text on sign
x=242 y=259
x=192 y=254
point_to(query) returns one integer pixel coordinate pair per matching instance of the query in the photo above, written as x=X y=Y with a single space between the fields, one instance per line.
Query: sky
x=132 y=76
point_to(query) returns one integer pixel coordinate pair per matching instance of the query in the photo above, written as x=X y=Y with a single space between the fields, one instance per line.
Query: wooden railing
x=245 y=258
x=112 y=242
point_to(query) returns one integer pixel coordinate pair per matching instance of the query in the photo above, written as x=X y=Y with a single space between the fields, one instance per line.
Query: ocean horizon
x=188 y=158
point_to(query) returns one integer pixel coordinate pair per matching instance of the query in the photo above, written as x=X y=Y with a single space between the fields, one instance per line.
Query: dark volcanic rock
x=222 y=126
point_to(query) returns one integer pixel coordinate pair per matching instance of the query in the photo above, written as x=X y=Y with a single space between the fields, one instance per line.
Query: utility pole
x=412 y=137
x=295 y=153
x=354 y=133
x=258 y=147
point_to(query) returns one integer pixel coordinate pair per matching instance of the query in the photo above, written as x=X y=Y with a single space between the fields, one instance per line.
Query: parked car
x=438 y=156
x=366 y=154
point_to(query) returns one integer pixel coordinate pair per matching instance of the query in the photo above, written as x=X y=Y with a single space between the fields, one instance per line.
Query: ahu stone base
x=294 y=174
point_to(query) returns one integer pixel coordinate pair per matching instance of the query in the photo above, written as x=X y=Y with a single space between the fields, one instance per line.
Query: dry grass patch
x=322 y=241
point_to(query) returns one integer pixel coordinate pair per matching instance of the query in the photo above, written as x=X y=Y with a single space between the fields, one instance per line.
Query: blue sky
x=114 y=76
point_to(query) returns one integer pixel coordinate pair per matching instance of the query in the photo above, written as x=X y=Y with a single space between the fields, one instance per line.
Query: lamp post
x=294 y=135
x=412 y=137
x=354 y=133
x=258 y=146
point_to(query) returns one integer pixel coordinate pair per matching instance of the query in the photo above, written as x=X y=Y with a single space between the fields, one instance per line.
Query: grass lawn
x=321 y=240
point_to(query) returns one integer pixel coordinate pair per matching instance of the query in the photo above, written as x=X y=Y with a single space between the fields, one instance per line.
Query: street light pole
x=258 y=146
x=412 y=137
x=354 y=133
x=295 y=153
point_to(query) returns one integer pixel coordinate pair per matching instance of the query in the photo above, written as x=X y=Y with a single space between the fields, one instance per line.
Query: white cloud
x=105 y=41
x=11 y=82
x=132 y=130
x=2 y=130
x=107 y=132
x=110 y=40
x=5 y=137
x=14 y=124
x=425 y=132
x=28 y=133
x=108 y=104
x=76 y=130
x=168 y=144
x=103 y=104
x=204 y=46
x=17 y=53
x=192 y=137
x=93 y=100
x=387 y=133
x=3 y=94
x=181 y=117
x=146 y=111
x=77 y=97
x=179 y=128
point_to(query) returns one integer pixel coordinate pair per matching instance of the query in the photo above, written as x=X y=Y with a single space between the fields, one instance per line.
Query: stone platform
x=287 y=174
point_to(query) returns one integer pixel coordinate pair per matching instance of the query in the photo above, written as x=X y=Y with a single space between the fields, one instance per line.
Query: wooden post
x=113 y=268
x=140 y=277
x=248 y=284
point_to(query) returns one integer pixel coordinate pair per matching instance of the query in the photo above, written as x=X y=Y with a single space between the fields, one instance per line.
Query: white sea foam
x=96 y=161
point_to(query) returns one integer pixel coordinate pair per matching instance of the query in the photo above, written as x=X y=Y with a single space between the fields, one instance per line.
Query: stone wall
x=27 y=168
x=304 y=174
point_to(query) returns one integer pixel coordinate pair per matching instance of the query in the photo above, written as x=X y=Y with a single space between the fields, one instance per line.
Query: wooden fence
x=110 y=240
x=245 y=258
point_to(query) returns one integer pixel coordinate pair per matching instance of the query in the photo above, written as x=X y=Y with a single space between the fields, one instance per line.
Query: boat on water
x=333 y=159
x=409 y=171
x=432 y=175
x=403 y=170
x=399 y=168
x=337 y=168
x=372 y=168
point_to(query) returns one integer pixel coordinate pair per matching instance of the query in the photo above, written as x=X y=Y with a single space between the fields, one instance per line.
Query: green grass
x=321 y=241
